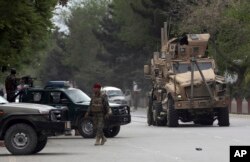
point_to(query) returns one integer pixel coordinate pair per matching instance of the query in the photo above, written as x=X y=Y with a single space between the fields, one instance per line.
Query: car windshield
x=186 y=67
x=77 y=96
x=114 y=93
x=2 y=100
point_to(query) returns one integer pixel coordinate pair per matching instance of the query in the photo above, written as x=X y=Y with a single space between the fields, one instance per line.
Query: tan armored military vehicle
x=185 y=85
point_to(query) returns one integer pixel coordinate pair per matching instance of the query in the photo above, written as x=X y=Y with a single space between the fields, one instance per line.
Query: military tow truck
x=184 y=83
x=74 y=103
x=25 y=127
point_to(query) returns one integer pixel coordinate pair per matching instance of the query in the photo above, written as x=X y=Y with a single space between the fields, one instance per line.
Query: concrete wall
x=239 y=106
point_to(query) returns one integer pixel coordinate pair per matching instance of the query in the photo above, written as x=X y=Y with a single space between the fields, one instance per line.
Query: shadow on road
x=68 y=137
x=41 y=154
x=191 y=125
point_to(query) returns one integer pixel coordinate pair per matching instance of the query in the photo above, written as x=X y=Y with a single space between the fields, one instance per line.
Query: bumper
x=201 y=104
x=115 y=120
x=51 y=128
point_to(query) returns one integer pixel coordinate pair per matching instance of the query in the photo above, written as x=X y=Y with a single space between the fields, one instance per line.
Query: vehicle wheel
x=196 y=122
x=223 y=117
x=41 y=143
x=20 y=139
x=150 y=119
x=156 y=113
x=112 y=132
x=86 y=128
x=172 y=116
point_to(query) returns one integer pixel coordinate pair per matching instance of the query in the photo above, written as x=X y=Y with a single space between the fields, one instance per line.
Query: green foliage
x=24 y=29
x=83 y=47
x=53 y=66
x=74 y=56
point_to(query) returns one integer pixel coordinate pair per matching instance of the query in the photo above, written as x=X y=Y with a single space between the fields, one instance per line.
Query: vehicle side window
x=58 y=97
x=55 y=97
x=63 y=97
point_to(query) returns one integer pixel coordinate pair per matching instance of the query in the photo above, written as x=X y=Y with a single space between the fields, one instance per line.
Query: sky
x=62 y=13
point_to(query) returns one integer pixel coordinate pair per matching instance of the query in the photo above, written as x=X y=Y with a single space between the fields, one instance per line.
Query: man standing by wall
x=136 y=95
x=99 y=109
x=11 y=85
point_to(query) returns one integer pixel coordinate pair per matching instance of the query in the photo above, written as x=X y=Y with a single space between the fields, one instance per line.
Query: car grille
x=122 y=110
x=120 y=101
x=200 y=91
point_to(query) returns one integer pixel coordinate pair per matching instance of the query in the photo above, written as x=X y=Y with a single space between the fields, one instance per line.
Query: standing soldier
x=99 y=109
x=11 y=85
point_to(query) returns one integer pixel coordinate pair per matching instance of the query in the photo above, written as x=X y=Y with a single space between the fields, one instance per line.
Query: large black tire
x=172 y=116
x=86 y=127
x=157 y=109
x=223 y=117
x=150 y=119
x=112 y=132
x=41 y=143
x=21 y=139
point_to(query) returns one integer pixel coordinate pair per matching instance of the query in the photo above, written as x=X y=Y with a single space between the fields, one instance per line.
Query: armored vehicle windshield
x=186 y=67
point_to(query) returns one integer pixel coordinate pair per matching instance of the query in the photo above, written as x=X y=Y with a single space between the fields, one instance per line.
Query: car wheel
x=172 y=116
x=86 y=128
x=41 y=143
x=150 y=113
x=20 y=139
x=112 y=132
x=156 y=114
x=223 y=117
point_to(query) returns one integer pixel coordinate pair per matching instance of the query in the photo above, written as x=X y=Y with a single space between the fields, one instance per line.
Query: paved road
x=138 y=142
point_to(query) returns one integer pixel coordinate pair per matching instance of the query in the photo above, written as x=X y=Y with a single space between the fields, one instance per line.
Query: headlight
x=55 y=115
x=127 y=109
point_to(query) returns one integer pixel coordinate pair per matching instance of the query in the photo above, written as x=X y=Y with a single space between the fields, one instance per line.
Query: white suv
x=115 y=95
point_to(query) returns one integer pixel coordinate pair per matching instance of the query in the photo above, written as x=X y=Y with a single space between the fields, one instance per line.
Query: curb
x=243 y=116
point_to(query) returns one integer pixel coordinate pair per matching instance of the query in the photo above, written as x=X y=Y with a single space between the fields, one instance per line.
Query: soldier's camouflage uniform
x=99 y=109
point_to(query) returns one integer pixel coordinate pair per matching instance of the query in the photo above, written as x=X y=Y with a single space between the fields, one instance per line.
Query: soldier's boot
x=104 y=139
x=98 y=141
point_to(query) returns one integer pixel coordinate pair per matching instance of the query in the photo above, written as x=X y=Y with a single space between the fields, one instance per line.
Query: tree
x=24 y=29
x=54 y=66
x=122 y=34
x=82 y=47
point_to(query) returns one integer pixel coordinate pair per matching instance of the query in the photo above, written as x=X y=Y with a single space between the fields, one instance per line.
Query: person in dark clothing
x=11 y=85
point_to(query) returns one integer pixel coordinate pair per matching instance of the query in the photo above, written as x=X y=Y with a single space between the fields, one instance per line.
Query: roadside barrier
x=236 y=106
x=239 y=106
